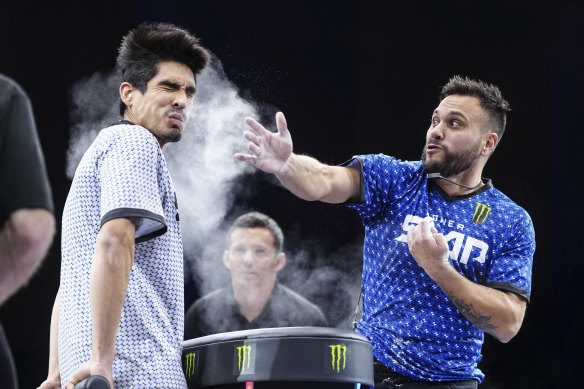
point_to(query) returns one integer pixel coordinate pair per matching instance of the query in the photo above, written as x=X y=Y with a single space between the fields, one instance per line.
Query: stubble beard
x=451 y=164
x=170 y=135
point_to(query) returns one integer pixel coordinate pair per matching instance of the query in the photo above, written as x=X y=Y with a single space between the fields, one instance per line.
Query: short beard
x=451 y=164
x=174 y=135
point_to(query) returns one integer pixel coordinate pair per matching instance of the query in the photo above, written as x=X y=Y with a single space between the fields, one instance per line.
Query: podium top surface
x=281 y=332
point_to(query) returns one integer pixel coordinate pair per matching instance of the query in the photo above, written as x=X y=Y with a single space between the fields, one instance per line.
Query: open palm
x=269 y=151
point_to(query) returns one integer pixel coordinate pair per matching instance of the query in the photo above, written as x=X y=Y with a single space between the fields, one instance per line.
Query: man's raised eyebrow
x=453 y=112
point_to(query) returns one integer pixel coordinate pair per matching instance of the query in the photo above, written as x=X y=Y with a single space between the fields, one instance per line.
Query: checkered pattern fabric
x=413 y=326
x=124 y=174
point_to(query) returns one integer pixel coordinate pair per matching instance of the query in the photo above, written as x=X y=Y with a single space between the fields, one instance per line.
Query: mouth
x=176 y=118
x=433 y=147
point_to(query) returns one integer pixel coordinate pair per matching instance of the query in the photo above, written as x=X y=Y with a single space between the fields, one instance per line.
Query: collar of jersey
x=124 y=121
x=488 y=185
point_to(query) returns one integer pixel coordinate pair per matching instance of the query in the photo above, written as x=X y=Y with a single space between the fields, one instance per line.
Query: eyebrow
x=455 y=113
x=176 y=86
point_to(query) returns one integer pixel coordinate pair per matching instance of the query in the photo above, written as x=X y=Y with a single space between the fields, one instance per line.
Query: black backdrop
x=352 y=77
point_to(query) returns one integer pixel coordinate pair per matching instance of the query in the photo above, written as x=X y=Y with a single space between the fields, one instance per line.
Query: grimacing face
x=165 y=106
x=251 y=258
x=455 y=136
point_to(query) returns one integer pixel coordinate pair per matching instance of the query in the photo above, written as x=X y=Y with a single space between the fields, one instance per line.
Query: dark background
x=352 y=77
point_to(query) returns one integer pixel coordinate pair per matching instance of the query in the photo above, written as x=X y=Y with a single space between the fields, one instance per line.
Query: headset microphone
x=437 y=175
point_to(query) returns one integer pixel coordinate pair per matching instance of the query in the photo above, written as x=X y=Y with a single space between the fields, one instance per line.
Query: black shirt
x=218 y=312
x=23 y=176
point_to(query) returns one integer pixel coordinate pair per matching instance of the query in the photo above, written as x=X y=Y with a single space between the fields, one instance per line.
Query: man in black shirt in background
x=26 y=205
x=254 y=299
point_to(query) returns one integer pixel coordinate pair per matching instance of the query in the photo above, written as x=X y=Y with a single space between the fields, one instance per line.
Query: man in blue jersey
x=447 y=257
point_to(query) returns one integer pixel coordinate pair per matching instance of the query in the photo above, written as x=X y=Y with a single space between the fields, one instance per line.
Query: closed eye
x=173 y=86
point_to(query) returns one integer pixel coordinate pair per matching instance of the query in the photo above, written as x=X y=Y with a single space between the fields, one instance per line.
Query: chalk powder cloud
x=207 y=178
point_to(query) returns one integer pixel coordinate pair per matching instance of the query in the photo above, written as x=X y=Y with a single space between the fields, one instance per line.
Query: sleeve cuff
x=504 y=286
x=357 y=164
x=149 y=225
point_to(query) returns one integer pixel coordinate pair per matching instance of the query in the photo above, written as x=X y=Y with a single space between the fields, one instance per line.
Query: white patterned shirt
x=123 y=174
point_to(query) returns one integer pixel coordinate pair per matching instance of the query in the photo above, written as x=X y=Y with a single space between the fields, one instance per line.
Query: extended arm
x=304 y=176
x=496 y=312
x=110 y=272
x=24 y=241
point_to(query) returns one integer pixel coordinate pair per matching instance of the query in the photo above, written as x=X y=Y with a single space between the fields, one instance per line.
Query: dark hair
x=490 y=96
x=144 y=47
x=259 y=220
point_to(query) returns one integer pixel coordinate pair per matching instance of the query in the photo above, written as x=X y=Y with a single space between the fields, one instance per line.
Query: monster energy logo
x=190 y=364
x=243 y=358
x=481 y=213
x=338 y=353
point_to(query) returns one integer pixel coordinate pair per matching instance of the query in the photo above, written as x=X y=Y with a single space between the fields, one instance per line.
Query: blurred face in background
x=252 y=259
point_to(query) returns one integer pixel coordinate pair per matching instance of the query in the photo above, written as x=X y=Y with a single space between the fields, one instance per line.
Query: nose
x=248 y=258
x=436 y=132
x=180 y=99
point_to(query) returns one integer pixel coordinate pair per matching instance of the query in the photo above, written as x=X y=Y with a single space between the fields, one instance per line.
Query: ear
x=491 y=141
x=280 y=261
x=226 y=261
x=126 y=94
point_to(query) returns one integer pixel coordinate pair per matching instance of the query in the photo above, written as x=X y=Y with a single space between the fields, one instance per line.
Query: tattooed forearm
x=468 y=311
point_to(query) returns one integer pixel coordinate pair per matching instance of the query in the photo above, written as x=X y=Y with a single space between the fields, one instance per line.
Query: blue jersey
x=413 y=326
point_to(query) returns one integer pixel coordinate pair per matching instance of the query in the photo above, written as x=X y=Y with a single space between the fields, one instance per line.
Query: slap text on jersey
x=460 y=245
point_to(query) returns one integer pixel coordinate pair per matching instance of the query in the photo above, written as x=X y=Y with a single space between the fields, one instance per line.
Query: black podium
x=279 y=358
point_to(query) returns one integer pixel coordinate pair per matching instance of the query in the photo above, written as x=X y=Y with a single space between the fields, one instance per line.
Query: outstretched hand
x=268 y=151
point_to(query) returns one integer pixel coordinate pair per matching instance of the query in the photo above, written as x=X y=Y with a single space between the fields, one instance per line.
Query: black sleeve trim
x=504 y=286
x=149 y=225
x=356 y=163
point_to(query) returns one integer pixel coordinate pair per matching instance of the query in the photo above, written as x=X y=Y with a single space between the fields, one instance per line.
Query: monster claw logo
x=481 y=213
x=190 y=364
x=243 y=358
x=338 y=354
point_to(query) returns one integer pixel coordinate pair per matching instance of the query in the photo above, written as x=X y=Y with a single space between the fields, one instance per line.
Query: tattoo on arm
x=468 y=311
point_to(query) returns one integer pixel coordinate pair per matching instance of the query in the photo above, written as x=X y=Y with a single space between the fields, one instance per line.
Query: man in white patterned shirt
x=119 y=310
